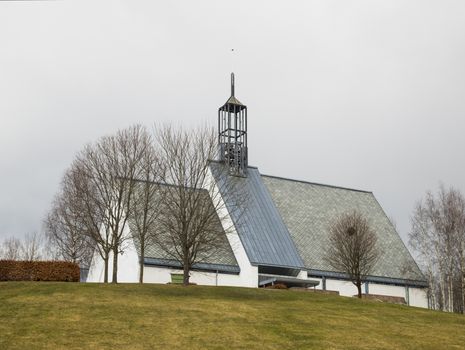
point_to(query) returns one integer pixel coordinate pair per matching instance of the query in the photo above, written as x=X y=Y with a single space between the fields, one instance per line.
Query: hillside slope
x=97 y=316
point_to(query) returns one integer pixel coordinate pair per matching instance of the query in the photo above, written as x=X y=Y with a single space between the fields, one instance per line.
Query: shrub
x=277 y=286
x=64 y=271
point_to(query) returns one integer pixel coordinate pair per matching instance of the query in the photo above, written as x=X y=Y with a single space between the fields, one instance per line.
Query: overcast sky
x=363 y=94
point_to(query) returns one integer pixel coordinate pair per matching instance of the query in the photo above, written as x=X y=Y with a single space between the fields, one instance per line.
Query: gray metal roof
x=308 y=209
x=222 y=255
x=375 y=279
x=262 y=231
x=232 y=105
x=285 y=223
x=231 y=269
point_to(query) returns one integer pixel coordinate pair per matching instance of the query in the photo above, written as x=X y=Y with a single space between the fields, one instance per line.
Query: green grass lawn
x=96 y=316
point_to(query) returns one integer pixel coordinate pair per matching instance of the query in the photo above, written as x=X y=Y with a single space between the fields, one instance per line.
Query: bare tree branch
x=438 y=236
x=353 y=247
x=11 y=249
x=190 y=228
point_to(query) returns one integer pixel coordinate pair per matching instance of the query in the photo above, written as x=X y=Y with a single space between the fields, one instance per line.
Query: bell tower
x=232 y=134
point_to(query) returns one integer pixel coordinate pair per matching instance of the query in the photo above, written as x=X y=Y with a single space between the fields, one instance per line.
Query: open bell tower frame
x=232 y=134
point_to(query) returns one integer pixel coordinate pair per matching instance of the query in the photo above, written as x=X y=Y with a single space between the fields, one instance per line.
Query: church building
x=283 y=233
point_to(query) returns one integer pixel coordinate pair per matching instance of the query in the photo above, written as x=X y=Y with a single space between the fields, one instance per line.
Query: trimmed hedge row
x=11 y=270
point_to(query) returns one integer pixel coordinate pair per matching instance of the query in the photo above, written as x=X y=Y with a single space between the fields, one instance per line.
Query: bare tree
x=146 y=202
x=31 y=249
x=11 y=249
x=189 y=227
x=353 y=247
x=110 y=170
x=438 y=236
x=66 y=231
x=88 y=209
x=95 y=198
x=423 y=240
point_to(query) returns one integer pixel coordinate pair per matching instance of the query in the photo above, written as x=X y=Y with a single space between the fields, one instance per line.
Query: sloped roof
x=285 y=223
x=232 y=104
x=222 y=258
x=308 y=209
x=261 y=230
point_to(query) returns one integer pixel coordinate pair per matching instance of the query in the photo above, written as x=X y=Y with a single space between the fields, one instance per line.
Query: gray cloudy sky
x=364 y=94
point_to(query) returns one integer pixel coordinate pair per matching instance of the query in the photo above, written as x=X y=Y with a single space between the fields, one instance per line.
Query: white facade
x=128 y=265
x=153 y=274
x=128 y=269
x=413 y=296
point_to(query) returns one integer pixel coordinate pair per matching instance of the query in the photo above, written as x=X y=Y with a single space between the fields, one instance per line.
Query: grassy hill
x=97 y=316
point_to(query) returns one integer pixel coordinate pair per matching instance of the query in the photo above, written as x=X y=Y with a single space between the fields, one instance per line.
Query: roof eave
x=223 y=268
x=374 y=279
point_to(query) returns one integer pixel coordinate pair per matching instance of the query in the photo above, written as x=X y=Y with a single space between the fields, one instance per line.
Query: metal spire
x=232 y=84
x=232 y=134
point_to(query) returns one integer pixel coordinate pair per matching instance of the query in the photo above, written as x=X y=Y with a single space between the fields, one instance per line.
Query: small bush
x=64 y=271
x=277 y=286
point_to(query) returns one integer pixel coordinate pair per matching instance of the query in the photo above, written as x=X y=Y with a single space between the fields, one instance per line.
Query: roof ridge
x=316 y=183
x=221 y=162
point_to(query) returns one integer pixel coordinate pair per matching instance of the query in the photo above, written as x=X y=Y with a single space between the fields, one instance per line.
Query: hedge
x=11 y=270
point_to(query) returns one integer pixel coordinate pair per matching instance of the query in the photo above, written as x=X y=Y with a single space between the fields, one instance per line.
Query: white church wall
x=418 y=297
x=248 y=276
x=128 y=264
x=97 y=266
x=320 y=285
x=128 y=269
x=345 y=288
x=388 y=290
x=155 y=274
x=96 y=269
x=413 y=296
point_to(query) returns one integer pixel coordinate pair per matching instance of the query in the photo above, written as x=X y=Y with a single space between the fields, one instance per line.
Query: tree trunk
x=451 y=294
x=141 y=263
x=443 y=293
x=185 y=280
x=463 y=294
x=462 y=280
x=115 y=265
x=105 y=272
x=432 y=293
x=462 y=290
x=434 y=302
x=359 y=289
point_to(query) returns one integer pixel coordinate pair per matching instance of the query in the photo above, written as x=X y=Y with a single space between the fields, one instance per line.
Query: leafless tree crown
x=191 y=225
x=438 y=236
x=162 y=186
x=29 y=248
x=66 y=232
x=11 y=249
x=352 y=247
